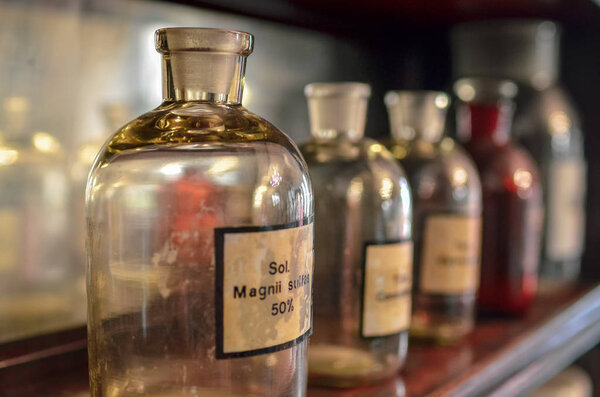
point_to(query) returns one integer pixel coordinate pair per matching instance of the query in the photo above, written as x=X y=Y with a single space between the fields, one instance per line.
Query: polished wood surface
x=502 y=357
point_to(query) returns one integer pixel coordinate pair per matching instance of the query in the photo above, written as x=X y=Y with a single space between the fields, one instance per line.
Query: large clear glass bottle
x=363 y=251
x=36 y=278
x=511 y=191
x=199 y=238
x=546 y=124
x=447 y=215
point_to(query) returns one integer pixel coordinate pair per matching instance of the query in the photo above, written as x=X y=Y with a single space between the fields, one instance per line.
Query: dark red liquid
x=512 y=209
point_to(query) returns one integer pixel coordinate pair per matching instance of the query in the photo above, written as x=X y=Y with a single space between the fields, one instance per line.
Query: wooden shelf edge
x=537 y=373
x=529 y=361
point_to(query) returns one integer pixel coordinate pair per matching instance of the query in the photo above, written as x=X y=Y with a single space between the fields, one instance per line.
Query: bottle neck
x=203 y=76
x=482 y=121
x=341 y=117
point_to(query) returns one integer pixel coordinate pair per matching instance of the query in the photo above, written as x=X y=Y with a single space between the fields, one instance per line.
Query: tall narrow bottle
x=200 y=239
x=512 y=195
x=363 y=248
x=447 y=215
x=547 y=124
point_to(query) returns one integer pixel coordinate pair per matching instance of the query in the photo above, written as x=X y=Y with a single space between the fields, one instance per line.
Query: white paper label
x=264 y=288
x=387 y=282
x=450 y=254
x=566 y=210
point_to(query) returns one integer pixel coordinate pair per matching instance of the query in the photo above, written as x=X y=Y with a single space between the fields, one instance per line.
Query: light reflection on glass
x=8 y=156
x=355 y=190
x=172 y=169
x=465 y=92
x=522 y=178
x=376 y=148
x=223 y=165
x=386 y=188
x=45 y=142
x=258 y=196
x=560 y=123
x=275 y=177
x=441 y=101
x=459 y=177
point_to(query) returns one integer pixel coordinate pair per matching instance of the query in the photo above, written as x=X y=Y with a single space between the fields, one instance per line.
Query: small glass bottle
x=200 y=239
x=363 y=251
x=512 y=195
x=546 y=123
x=447 y=215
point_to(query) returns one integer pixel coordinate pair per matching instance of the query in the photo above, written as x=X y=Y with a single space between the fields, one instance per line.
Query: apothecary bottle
x=363 y=248
x=200 y=238
x=546 y=123
x=447 y=215
x=37 y=282
x=512 y=195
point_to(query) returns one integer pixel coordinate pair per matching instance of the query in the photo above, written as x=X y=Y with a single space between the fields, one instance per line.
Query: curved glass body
x=158 y=195
x=447 y=193
x=362 y=205
x=549 y=128
x=447 y=215
x=512 y=201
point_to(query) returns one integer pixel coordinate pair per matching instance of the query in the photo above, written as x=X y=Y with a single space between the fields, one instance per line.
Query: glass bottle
x=512 y=195
x=363 y=251
x=447 y=215
x=546 y=124
x=200 y=239
x=36 y=293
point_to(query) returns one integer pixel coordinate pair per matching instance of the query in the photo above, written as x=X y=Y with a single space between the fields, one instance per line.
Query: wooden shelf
x=502 y=357
x=343 y=16
x=505 y=356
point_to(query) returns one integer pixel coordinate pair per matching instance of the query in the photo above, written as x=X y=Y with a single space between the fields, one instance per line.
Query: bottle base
x=346 y=367
x=441 y=333
x=442 y=319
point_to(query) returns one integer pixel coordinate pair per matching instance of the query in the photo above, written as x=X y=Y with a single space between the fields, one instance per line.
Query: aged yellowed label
x=264 y=288
x=566 y=210
x=387 y=281
x=450 y=254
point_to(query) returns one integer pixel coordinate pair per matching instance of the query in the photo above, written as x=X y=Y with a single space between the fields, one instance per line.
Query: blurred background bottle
x=36 y=276
x=512 y=195
x=363 y=251
x=447 y=215
x=546 y=123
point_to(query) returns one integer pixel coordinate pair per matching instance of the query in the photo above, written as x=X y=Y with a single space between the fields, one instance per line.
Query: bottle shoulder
x=337 y=151
x=193 y=124
x=443 y=157
x=440 y=173
x=507 y=168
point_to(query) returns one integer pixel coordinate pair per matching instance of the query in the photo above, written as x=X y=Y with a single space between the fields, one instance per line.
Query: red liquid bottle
x=512 y=195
